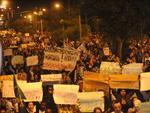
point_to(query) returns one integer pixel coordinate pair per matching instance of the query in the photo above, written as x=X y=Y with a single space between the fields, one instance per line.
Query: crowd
x=91 y=55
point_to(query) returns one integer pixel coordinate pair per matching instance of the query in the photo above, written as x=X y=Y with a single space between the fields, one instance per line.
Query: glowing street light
x=4 y=4
x=35 y=13
x=57 y=5
x=30 y=17
x=44 y=9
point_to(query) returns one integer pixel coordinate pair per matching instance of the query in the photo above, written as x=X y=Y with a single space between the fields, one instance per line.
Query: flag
x=18 y=92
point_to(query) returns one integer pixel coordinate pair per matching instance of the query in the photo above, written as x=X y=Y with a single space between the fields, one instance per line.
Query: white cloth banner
x=110 y=68
x=145 y=81
x=89 y=100
x=66 y=94
x=133 y=68
x=32 y=60
x=51 y=77
x=32 y=91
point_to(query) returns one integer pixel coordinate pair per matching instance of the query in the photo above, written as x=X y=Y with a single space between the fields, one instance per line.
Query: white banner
x=110 y=68
x=145 y=81
x=66 y=94
x=18 y=59
x=133 y=68
x=32 y=60
x=32 y=91
x=51 y=77
x=8 y=52
x=89 y=100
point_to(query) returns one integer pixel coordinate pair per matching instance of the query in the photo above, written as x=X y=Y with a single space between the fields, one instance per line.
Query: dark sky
x=28 y=4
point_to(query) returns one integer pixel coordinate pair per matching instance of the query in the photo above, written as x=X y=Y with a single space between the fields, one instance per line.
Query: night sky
x=29 y=4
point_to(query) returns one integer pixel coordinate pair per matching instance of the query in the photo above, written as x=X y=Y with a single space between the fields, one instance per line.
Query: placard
x=66 y=94
x=145 y=81
x=51 y=77
x=32 y=60
x=18 y=59
x=8 y=52
x=89 y=100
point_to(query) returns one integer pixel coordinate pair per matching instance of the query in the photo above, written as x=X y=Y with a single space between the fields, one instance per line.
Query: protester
x=97 y=110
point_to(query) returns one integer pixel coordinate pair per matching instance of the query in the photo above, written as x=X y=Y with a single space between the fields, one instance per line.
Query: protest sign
x=95 y=82
x=27 y=34
x=32 y=60
x=106 y=51
x=124 y=81
x=145 y=107
x=51 y=77
x=89 y=100
x=8 y=89
x=133 y=68
x=8 y=52
x=6 y=77
x=108 y=68
x=32 y=91
x=52 y=61
x=66 y=94
x=18 y=59
x=145 y=81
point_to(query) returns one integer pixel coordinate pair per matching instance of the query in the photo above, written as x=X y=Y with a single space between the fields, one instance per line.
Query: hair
x=96 y=109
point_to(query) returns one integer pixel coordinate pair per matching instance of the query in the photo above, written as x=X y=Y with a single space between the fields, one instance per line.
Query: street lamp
x=4 y=4
x=57 y=5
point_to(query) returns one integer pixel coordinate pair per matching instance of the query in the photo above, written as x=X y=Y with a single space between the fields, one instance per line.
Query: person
x=30 y=108
x=117 y=107
x=42 y=107
x=48 y=110
x=97 y=110
x=2 y=109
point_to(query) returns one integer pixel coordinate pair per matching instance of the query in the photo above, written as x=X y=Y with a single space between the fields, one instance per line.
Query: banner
x=8 y=52
x=145 y=107
x=52 y=61
x=89 y=100
x=124 y=81
x=95 y=82
x=32 y=91
x=8 y=89
x=133 y=68
x=18 y=59
x=32 y=60
x=66 y=94
x=145 y=81
x=110 y=68
x=51 y=77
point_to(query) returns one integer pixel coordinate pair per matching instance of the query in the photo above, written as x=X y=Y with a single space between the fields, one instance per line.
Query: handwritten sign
x=89 y=100
x=8 y=52
x=18 y=59
x=66 y=94
x=108 y=68
x=51 y=77
x=133 y=68
x=32 y=91
x=32 y=60
x=145 y=81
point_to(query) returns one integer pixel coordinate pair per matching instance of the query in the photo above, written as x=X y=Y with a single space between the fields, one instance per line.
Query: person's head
x=136 y=104
x=117 y=106
x=43 y=106
x=48 y=110
x=3 y=110
x=50 y=89
x=30 y=106
x=123 y=93
x=97 y=110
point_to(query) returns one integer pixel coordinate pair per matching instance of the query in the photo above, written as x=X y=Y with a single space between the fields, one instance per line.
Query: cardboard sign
x=51 y=77
x=145 y=81
x=52 y=61
x=66 y=94
x=133 y=68
x=8 y=89
x=32 y=91
x=124 y=81
x=32 y=60
x=8 y=52
x=108 y=68
x=89 y=100
x=18 y=59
